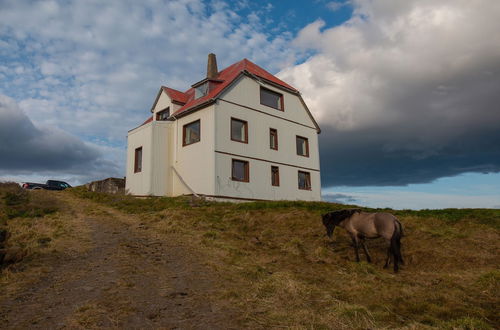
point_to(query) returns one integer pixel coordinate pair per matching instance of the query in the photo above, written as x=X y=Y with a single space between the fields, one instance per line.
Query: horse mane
x=337 y=217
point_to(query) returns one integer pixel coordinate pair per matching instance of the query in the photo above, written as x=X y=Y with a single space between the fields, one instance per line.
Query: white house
x=240 y=133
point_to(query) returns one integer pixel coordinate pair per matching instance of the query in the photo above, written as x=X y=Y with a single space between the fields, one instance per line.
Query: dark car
x=49 y=185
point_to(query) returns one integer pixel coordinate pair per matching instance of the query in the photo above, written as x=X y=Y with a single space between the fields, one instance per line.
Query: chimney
x=212 y=66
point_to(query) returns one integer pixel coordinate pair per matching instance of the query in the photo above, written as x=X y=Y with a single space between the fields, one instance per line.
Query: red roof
x=224 y=78
x=150 y=119
x=175 y=95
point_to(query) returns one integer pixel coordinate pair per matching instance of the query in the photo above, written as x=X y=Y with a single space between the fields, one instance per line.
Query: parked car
x=49 y=185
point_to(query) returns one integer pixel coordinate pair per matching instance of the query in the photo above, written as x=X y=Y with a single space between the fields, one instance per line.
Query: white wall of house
x=154 y=178
x=257 y=151
x=204 y=167
x=259 y=186
x=246 y=91
x=163 y=102
x=195 y=162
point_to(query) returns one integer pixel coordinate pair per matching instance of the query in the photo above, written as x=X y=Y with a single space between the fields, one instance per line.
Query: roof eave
x=201 y=82
x=178 y=102
x=156 y=100
x=272 y=83
x=193 y=109
x=141 y=125
x=318 y=129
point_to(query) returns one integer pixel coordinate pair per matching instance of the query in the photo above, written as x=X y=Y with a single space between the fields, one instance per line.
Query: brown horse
x=364 y=225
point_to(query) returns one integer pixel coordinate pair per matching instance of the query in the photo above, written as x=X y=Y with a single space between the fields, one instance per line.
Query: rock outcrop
x=109 y=185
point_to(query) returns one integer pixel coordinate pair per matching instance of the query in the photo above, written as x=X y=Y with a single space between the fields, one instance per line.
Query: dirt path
x=127 y=279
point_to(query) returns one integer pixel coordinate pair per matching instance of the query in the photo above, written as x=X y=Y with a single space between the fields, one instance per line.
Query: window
x=191 y=133
x=240 y=171
x=304 y=180
x=273 y=138
x=239 y=130
x=302 y=146
x=275 y=175
x=138 y=160
x=163 y=115
x=201 y=90
x=271 y=99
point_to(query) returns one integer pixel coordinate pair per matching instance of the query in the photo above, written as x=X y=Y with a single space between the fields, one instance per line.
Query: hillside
x=269 y=264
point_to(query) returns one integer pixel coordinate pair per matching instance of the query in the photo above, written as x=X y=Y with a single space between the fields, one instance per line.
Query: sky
x=407 y=93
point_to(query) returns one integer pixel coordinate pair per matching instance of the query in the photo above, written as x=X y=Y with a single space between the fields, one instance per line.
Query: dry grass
x=39 y=229
x=282 y=271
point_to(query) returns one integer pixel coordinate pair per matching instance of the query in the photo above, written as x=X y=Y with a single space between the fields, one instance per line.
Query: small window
x=138 y=160
x=273 y=139
x=191 y=133
x=304 y=180
x=302 y=146
x=271 y=99
x=275 y=176
x=240 y=171
x=163 y=115
x=201 y=90
x=239 y=130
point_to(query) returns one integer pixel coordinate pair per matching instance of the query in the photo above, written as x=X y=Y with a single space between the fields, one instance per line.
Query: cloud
x=335 y=5
x=405 y=92
x=421 y=200
x=83 y=65
x=26 y=149
x=339 y=198
x=93 y=68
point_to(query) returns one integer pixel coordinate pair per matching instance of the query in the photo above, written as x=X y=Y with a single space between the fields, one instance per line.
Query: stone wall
x=109 y=185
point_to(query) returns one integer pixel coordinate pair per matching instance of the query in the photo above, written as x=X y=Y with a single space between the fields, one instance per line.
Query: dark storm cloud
x=434 y=132
x=363 y=159
x=404 y=94
x=25 y=148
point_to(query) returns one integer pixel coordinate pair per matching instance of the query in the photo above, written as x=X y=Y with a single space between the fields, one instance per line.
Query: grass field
x=38 y=228
x=281 y=270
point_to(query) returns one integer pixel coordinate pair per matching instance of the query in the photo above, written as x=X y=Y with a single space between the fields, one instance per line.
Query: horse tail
x=396 y=244
x=401 y=232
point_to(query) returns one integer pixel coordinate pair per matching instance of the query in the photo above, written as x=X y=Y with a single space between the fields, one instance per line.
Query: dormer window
x=201 y=90
x=163 y=115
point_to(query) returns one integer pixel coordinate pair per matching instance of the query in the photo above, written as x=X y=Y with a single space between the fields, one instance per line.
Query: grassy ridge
x=282 y=271
x=34 y=226
x=21 y=215
x=490 y=217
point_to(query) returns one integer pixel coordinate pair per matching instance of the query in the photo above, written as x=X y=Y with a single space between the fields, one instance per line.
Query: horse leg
x=394 y=252
x=388 y=259
x=356 y=246
x=368 y=257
